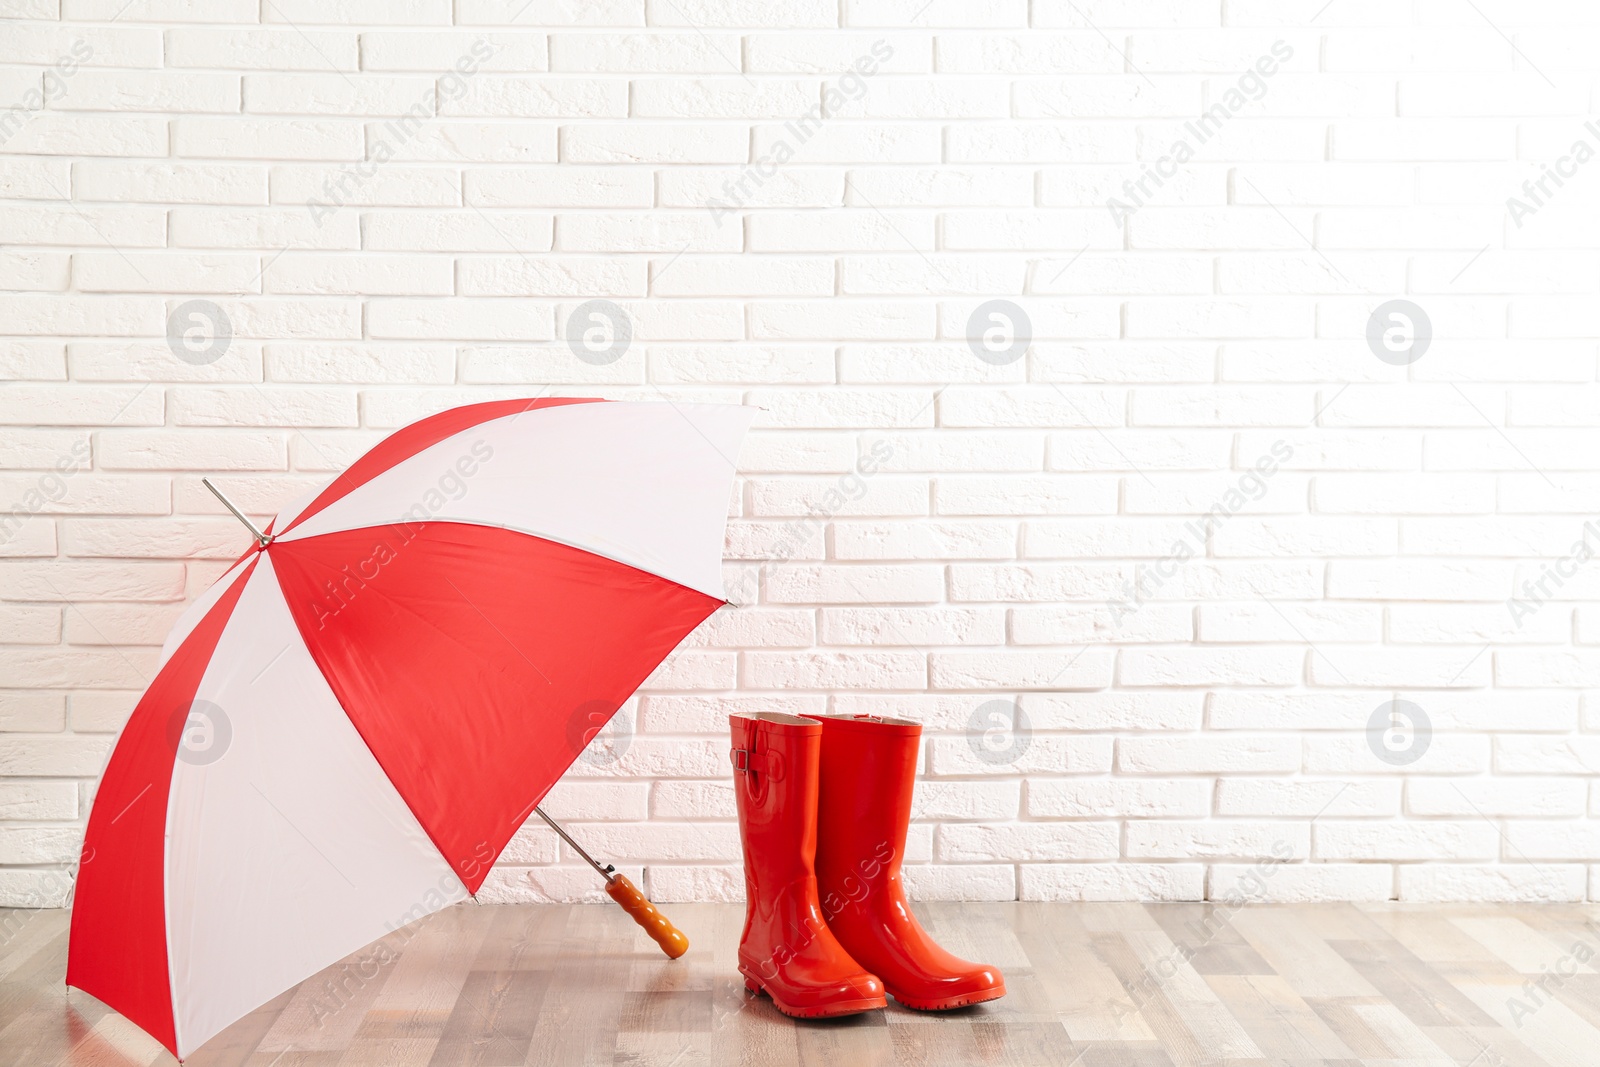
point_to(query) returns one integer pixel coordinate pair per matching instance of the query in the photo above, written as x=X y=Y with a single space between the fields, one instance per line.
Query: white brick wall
x=398 y=205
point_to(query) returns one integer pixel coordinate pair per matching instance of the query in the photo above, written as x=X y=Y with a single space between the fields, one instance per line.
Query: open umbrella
x=348 y=727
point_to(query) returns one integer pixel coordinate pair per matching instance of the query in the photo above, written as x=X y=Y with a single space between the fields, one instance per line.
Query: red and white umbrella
x=348 y=727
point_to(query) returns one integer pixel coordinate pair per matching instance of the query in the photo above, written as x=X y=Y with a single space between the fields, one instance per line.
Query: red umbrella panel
x=383 y=687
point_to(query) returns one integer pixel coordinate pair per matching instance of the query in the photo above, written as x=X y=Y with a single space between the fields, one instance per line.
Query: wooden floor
x=1091 y=984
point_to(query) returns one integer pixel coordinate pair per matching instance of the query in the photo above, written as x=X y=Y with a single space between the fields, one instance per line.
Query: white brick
x=89 y=494
x=47 y=756
x=1074 y=624
x=30 y=710
x=25 y=800
x=831 y=54
x=39 y=844
x=166 y=272
x=1446 y=754
x=855 y=142
x=741 y=13
x=1031 y=53
x=275 y=138
x=988 y=408
x=654 y=144
x=965 y=843
x=175 y=450
x=789 y=364
x=97 y=90
x=1053 y=494
x=691 y=52
x=1226 y=839
x=261 y=48
x=392 y=185
x=924 y=540
x=972 y=755
x=452 y=141
x=860 y=320
x=725 y=190
x=275 y=228
x=165 y=182
x=392 y=12
x=460 y=319
x=1112 y=881
x=1307 y=798
x=94 y=226
x=1418 y=580
x=1552 y=798
x=1301 y=883
x=34 y=179
x=1290 y=623
x=1522 y=883
x=359 y=275
x=1221 y=755
x=37 y=271
x=853 y=584
x=1221 y=666
x=1431 y=840
x=1106 y=798
x=839 y=231
x=911 y=626
x=456 y=231
x=987 y=14
x=654 y=232
x=513 y=96
x=263 y=406
x=560 y=186
x=697 y=275
x=833 y=669
x=79 y=134
x=960 y=882
x=92 y=406
x=435 y=51
x=974 y=186
x=1083 y=669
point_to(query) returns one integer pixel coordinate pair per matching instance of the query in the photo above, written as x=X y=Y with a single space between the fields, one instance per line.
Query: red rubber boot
x=869 y=766
x=787 y=950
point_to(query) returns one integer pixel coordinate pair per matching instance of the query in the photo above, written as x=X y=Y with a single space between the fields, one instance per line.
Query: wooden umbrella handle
x=669 y=937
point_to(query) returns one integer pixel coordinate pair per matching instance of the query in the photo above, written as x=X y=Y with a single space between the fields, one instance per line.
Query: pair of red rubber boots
x=824 y=805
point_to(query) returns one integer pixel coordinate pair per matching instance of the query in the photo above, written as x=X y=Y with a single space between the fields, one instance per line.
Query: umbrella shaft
x=605 y=872
x=261 y=538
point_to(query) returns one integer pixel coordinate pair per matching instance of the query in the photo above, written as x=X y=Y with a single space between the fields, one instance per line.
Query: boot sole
x=826 y=1011
x=946 y=1003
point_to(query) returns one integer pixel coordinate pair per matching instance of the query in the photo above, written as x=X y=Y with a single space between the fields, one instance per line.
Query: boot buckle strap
x=750 y=761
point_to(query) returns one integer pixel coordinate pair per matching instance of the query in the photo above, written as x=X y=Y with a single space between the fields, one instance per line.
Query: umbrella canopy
x=348 y=727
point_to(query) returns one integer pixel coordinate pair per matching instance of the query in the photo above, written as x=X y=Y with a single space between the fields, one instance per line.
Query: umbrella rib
x=273 y=660
x=497 y=630
x=303 y=836
x=132 y=802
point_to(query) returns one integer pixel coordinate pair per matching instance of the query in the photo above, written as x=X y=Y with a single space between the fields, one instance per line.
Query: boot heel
x=750 y=986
